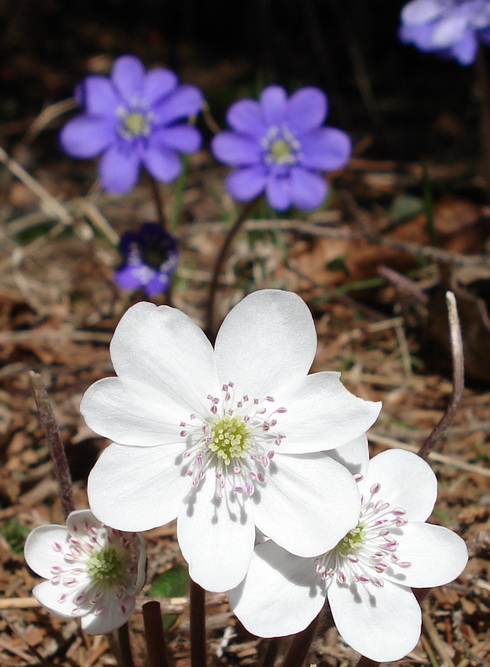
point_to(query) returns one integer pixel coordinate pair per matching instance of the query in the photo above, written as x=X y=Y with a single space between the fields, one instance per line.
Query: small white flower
x=225 y=440
x=94 y=571
x=368 y=576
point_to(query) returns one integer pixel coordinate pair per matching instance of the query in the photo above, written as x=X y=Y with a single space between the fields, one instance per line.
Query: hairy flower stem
x=158 y=200
x=122 y=646
x=56 y=447
x=458 y=378
x=218 y=267
x=154 y=635
x=198 y=626
x=300 y=646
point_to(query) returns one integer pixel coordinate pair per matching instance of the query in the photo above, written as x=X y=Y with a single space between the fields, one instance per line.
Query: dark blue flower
x=150 y=258
x=279 y=147
x=133 y=118
x=450 y=28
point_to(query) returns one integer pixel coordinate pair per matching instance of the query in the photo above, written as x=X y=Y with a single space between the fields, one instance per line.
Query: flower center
x=369 y=549
x=281 y=146
x=236 y=440
x=107 y=566
x=230 y=439
x=352 y=541
x=134 y=124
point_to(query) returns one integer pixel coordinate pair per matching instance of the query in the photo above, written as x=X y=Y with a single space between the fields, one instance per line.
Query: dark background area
x=411 y=104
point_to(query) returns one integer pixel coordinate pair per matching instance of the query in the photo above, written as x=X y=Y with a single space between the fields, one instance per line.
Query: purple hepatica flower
x=131 y=118
x=150 y=259
x=278 y=145
x=450 y=28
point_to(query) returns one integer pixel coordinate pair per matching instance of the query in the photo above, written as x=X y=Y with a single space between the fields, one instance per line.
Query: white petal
x=307 y=504
x=354 y=455
x=131 y=412
x=266 y=340
x=79 y=522
x=48 y=594
x=162 y=347
x=137 y=488
x=406 y=481
x=115 y=614
x=437 y=556
x=322 y=414
x=39 y=550
x=280 y=595
x=216 y=537
x=382 y=624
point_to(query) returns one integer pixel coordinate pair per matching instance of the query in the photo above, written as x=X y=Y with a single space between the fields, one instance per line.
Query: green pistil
x=280 y=149
x=136 y=124
x=352 y=541
x=230 y=439
x=107 y=567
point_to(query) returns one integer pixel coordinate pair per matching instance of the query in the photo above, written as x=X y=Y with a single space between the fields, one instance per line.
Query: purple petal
x=449 y=30
x=325 y=148
x=419 y=35
x=236 y=149
x=306 y=109
x=246 y=116
x=308 y=189
x=163 y=164
x=158 y=83
x=119 y=168
x=183 y=138
x=465 y=50
x=278 y=191
x=98 y=96
x=273 y=103
x=87 y=136
x=421 y=11
x=157 y=284
x=247 y=183
x=183 y=102
x=128 y=277
x=128 y=76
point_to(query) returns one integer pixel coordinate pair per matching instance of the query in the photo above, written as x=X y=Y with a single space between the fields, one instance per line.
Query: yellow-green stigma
x=352 y=541
x=107 y=566
x=230 y=439
x=280 y=149
x=136 y=124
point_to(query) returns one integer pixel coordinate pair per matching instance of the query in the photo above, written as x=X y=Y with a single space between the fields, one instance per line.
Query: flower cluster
x=93 y=571
x=150 y=258
x=266 y=469
x=279 y=147
x=450 y=28
x=133 y=118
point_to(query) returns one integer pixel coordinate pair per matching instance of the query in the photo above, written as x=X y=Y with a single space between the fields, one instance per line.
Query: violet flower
x=133 y=118
x=278 y=146
x=450 y=28
x=150 y=258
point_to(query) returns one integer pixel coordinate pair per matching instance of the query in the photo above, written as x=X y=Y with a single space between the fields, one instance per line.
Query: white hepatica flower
x=94 y=571
x=368 y=576
x=225 y=440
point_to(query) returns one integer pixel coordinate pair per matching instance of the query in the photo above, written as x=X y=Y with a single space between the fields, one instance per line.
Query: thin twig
x=51 y=204
x=154 y=635
x=458 y=378
x=223 y=253
x=198 y=626
x=56 y=447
